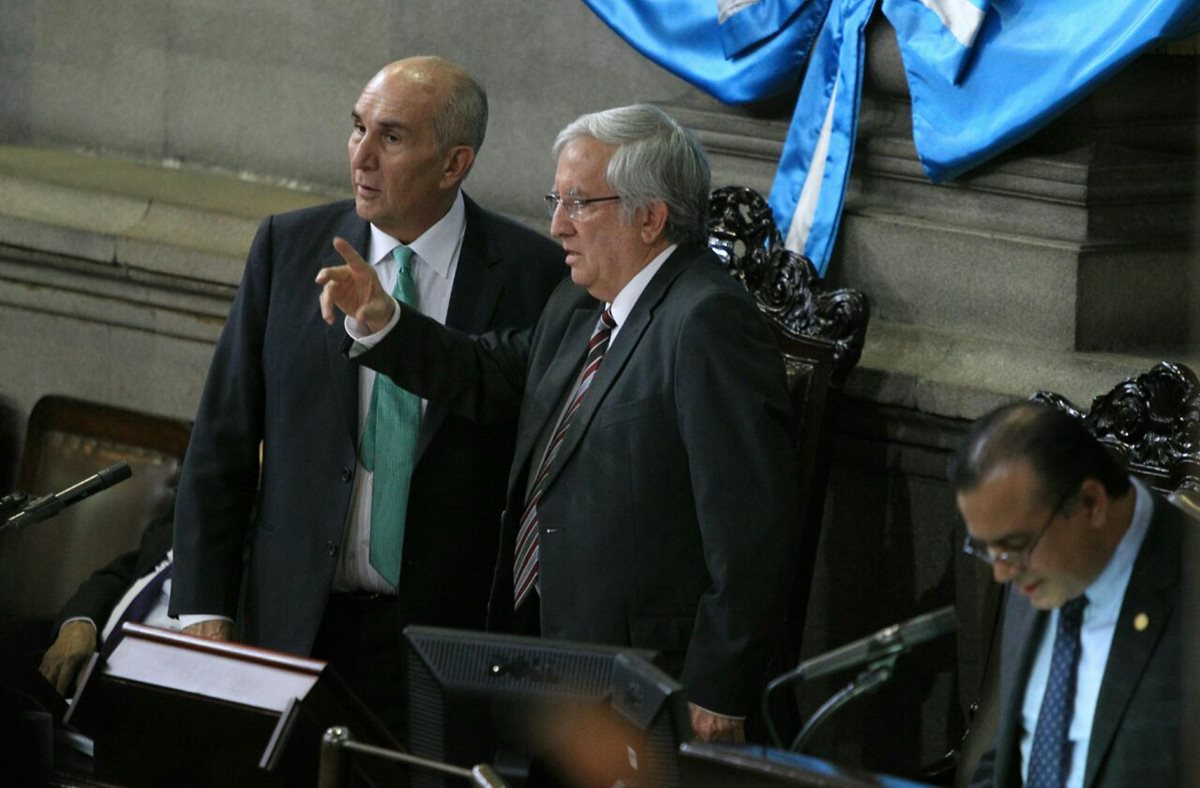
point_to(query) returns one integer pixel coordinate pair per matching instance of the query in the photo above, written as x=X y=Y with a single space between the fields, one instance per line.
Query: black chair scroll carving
x=1151 y=421
x=742 y=231
x=820 y=334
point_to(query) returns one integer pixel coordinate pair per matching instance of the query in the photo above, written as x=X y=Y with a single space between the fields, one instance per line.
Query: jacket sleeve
x=735 y=420
x=220 y=471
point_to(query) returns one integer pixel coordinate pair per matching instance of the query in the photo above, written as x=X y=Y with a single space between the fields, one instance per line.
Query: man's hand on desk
x=214 y=629
x=61 y=663
x=707 y=726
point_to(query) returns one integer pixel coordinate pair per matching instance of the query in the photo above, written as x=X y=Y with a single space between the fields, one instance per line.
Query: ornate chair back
x=820 y=333
x=66 y=441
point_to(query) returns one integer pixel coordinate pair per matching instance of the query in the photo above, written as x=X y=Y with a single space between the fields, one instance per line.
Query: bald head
x=460 y=109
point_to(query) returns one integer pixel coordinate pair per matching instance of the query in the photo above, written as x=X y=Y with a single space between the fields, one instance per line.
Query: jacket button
x=331 y=548
x=347 y=475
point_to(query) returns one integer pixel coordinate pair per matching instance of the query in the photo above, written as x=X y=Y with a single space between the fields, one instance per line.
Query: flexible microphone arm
x=38 y=509
x=880 y=650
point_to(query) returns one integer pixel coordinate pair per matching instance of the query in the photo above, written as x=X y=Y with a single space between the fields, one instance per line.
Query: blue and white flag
x=943 y=31
x=810 y=184
x=736 y=50
x=1030 y=62
x=983 y=75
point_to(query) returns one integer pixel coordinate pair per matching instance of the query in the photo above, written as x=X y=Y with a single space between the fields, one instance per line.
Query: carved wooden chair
x=66 y=441
x=1153 y=422
x=820 y=334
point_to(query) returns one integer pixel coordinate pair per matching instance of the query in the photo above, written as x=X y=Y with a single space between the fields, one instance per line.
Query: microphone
x=895 y=639
x=49 y=505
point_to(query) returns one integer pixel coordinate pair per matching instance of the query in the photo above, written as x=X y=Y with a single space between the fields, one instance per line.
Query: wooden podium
x=171 y=709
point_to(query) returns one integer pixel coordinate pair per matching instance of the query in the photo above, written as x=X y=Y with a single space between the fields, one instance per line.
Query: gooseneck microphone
x=879 y=651
x=890 y=640
x=47 y=506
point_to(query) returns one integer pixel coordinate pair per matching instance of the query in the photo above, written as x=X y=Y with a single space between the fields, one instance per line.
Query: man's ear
x=1095 y=501
x=458 y=161
x=653 y=223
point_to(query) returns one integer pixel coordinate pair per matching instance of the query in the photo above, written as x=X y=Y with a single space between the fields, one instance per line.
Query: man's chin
x=1036 y=592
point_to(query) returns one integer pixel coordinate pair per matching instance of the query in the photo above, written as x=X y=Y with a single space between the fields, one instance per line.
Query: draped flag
x=814 y=169
x=983 y=75
x=1030 y=62
x=736 y=50
x=942 y=31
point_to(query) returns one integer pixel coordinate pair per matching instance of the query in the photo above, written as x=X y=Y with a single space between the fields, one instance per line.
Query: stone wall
x=267 y=88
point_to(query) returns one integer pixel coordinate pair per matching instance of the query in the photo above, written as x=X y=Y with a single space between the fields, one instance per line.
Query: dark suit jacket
x=672 y=501
x=278 y=376
x=99 y=594
x=1135 y=735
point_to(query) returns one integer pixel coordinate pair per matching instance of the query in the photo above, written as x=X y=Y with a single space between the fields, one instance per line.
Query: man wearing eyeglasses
x=1090 y=652
x=651 y=500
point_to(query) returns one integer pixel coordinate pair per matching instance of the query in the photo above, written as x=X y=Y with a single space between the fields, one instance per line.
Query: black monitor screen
x=542 y=712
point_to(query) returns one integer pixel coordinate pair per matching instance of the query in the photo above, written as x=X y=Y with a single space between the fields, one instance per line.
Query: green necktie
x=389 y=439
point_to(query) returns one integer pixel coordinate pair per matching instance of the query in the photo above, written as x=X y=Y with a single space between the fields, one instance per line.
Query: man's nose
x=362 y=154
x=1002 y=572
x=560 y=225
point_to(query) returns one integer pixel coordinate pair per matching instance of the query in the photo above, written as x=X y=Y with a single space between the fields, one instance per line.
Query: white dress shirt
x=434 y=263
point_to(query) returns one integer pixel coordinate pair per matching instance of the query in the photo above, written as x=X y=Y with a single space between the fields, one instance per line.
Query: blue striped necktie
x=388 y=443
x=1050 y=756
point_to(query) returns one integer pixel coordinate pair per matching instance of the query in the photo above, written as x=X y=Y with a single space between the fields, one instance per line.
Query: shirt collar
x=438 y=246
x=628 y=297
x=1107 y=591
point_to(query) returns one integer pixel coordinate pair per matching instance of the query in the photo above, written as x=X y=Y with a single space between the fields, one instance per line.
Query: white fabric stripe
x=961 y=17
x=727 y=8
x=810 y=194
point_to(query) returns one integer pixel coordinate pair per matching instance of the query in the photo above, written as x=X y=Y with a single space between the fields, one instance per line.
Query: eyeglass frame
x=572 y=205
x=1015 y=559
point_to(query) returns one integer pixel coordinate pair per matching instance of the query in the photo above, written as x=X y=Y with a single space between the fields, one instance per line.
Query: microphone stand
x=878 y=652
x=866 y=682
x=338 y=744
x=869 y=680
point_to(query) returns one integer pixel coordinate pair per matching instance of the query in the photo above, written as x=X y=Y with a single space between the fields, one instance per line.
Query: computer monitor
x=541 y=711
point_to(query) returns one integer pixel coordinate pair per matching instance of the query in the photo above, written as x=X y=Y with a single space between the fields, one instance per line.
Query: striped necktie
x=525 y=562
x=388 y=443
x=1050 y=756
x=140 y=606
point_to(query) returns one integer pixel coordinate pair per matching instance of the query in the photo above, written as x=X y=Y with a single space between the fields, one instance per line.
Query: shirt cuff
x=186 y=620
x=718 y=714
x=78 y=618
x=363 y=341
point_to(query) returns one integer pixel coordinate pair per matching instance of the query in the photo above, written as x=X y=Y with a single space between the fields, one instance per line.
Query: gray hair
x=656 y=159
x=463 y=116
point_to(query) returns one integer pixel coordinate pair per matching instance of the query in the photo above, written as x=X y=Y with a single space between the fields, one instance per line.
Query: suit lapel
x=616 y=357
x=1023 y=627
x=1155 y=573
x=477 y=288
x=344 y=375
x=550 y=392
